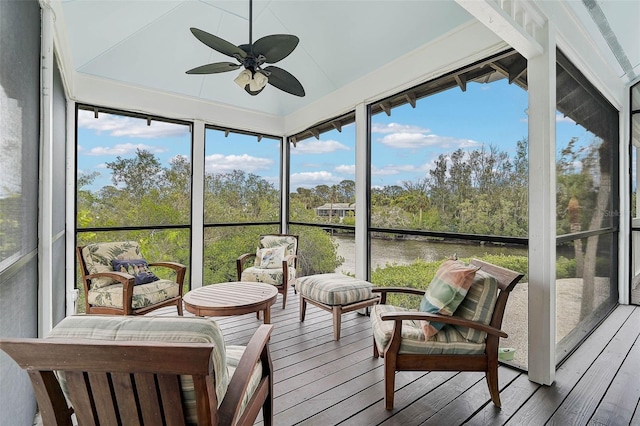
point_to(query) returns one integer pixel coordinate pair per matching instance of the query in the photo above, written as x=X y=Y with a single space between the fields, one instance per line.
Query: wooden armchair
x=274 y=262
x=147 y=382
x=134 y=292
x=467 y=342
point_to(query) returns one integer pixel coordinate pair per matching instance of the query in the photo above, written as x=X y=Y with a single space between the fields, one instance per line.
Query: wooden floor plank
x=620 y=401
x=474 y=399
x=319 y=381
x=513 y=396
x=582 y=401
x=547 y=399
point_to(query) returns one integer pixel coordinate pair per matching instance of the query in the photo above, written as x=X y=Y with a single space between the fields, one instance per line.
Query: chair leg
x=389 y=380
x=337 y=321
x=284 y=298
x=492 y=382
x=179 y=306
x=376 y=354
x=303 y=308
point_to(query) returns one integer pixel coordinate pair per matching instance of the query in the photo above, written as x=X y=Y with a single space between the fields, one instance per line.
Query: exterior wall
x=19 y=144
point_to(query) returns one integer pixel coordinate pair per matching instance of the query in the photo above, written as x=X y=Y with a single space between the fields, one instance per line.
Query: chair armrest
x=245 y=256
x=404 y=290
x=257 y=350
x=398 y=317
x=122 y=277
x=173 y=265
x=179 y=268
x=240 y=262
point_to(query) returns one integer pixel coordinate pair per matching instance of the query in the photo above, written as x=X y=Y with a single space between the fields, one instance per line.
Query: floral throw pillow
x=272 y=257
x=139 y=268
x=445 y=292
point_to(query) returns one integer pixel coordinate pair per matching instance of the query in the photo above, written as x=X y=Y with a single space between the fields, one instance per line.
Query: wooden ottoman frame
x=337 y=310
x=335 y=293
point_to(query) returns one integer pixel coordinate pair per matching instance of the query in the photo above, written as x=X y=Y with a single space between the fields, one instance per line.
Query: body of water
x=406 y=251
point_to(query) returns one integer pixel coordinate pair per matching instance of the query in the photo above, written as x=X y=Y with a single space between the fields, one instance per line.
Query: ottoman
x=336 y=293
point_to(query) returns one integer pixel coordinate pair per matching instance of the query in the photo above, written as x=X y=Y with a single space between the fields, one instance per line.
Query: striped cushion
x=447 y=341
x=478 y=305
x=143 y=295
x=166 y=329
x=446 y=291
x=234 y=353
x=334 y=289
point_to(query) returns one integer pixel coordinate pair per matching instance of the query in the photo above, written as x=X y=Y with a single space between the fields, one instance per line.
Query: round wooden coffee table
x=234 y=298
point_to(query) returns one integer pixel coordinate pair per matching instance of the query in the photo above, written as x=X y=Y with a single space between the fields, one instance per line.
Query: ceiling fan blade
x=284 y=81
x=214 y=68
x=216 y=43
x=275 y=47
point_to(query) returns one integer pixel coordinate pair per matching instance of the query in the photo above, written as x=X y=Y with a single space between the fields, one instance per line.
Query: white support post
x=45 y=240
x=541 y=75
x=70 y=219
x=197 y=206
x=625 y=234
x=284 y=185
x=362 y=191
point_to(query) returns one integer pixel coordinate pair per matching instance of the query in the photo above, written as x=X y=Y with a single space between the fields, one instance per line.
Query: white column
x=362 y=192
x=197 y=205
x=625 y=234
x=284 y=187
x=70 y=218
x=541 y=75
x=45 y=239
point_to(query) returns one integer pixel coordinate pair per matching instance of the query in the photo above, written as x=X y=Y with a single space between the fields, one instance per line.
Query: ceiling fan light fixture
x=258 y=81
x=244 y=78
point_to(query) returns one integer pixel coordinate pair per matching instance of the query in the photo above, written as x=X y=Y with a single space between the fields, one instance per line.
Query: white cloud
x=407 y=136
x=218 y=163
x=347 y=169
x=121 y=149
x=419 y=140
x=311 y=179
x=394 y=169
x=313 y=146
x=121 y=126
x=397 y=128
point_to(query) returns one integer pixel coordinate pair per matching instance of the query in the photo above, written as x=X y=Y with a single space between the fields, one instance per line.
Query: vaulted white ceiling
x=147 y=44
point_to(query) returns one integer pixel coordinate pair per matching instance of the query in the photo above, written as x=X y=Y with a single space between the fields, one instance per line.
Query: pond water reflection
x=406 y=251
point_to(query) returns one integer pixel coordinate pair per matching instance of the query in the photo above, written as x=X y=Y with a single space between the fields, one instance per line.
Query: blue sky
x=404 y=145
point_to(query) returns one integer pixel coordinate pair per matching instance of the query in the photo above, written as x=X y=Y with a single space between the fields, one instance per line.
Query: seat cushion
x=446 y=291
x=448 y=341
x=267 y=276
x=98 y=256
x=143 y=295
x=234 y=354
x=334 y=289
x=156 y=329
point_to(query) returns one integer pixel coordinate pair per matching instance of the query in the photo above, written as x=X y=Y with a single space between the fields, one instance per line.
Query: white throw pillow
x=272 y=257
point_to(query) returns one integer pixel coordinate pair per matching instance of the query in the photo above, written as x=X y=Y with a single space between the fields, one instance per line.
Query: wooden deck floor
x=322 y=382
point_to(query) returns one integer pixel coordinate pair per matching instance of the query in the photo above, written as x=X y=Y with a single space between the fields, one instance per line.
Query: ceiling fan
x=252 y=56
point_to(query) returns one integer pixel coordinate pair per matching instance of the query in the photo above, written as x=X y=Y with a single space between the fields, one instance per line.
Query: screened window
x=322 y=194
x=241 y=186
x=587 y=207
x=134 y=182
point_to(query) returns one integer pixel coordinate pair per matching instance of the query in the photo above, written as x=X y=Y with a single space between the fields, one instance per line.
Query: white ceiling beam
x=517 y=23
